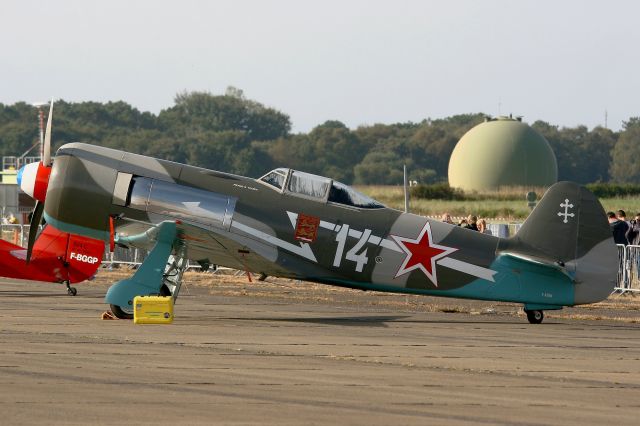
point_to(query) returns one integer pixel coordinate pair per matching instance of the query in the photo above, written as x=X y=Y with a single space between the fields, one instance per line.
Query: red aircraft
x=57 y=257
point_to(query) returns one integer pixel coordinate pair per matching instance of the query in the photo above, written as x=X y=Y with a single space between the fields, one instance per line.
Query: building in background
x=502 y=152
x=12 y=199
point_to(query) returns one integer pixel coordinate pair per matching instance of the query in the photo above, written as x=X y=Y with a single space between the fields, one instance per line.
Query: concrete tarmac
x=242 y=359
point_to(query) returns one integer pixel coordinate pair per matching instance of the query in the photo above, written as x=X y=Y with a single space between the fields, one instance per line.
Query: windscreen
x=275 y=178
x=343 y=194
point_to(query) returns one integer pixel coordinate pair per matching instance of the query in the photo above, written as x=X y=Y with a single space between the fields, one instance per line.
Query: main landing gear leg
x=149 y=277
x=172 y=277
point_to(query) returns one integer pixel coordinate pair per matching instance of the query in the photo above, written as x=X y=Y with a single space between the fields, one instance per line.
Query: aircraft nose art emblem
x=307 y=228
x=421 y=253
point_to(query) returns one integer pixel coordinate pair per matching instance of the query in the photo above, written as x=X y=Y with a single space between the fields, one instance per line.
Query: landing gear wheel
x=122 y=313
x=71 y=291
x=535 y=317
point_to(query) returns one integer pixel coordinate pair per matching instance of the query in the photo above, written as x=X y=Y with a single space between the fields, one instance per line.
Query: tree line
x=238 y=135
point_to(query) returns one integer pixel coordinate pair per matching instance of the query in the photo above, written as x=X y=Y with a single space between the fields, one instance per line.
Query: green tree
x=336 y=150
x=204 y=111
x=18 y=128
x=380 y=168
x=330 y=149
x=234 y=134
x=566 y=153
x=625 y=166
x=583 y=156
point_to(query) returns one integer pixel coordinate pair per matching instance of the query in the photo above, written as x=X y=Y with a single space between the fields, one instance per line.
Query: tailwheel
x=535 y=316
x=71 y=291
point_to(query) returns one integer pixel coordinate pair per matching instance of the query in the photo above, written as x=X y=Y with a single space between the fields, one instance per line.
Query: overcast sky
x=360 y=62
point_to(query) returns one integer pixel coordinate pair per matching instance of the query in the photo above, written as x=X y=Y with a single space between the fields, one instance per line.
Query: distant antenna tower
x=39 y=105
x=606 y=118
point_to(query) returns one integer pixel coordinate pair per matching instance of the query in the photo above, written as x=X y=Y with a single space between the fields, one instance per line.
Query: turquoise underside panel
x=517 y=281
x=75 y=229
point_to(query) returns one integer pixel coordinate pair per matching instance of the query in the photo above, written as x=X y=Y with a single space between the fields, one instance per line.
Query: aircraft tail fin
x=569 y=228
x=567 y=223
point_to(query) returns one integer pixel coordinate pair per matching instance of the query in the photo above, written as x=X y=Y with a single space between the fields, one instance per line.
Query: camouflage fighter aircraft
x=297 y=225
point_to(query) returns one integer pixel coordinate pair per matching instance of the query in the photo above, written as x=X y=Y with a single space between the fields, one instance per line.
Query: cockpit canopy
x=316 y=187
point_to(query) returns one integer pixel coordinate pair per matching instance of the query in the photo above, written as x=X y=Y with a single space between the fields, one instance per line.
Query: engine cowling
x=80 y=192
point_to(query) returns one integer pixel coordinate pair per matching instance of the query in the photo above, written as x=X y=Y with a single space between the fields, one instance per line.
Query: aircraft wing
x=211 y=245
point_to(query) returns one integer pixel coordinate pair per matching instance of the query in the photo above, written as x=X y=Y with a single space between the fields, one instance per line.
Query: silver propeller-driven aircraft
x=297 y=225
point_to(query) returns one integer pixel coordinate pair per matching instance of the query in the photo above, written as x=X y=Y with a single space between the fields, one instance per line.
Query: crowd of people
x=470 y=222
x=624 y=232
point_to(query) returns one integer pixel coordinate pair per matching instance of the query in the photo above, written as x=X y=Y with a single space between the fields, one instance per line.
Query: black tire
x=71 y=291
x=121 y=313
x=535 y=317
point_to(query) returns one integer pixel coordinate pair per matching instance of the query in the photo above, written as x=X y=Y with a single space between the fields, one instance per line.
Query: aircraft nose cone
x=19 y=177
x=27 y=178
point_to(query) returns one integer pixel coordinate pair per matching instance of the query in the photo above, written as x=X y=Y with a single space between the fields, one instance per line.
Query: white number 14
x=361 y=258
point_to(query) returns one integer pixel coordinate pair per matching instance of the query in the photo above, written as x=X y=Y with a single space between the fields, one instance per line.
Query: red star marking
x=421 y=253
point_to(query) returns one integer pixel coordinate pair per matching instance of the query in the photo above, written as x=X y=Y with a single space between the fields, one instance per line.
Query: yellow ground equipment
x=153 y=310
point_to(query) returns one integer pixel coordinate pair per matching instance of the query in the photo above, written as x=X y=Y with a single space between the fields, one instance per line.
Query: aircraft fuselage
x=298 y=226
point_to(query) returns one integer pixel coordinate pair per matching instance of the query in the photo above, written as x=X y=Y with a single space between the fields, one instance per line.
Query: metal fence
x=503 y=230
x=628 y=269
x=628 y=278
x=15 y=234
x=122 y=256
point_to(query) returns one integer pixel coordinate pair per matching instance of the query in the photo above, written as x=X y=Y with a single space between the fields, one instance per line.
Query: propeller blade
x=33 y=227
x=46 y=149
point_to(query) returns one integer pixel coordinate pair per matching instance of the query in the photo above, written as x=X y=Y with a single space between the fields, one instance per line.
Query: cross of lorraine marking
x=566 y=213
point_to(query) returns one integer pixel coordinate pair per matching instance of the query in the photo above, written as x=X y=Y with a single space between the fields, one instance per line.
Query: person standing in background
x=446 y=218
x=618 y=228
x=621 y=215
x=482 y=227
x=633 y=233
x=472 y=223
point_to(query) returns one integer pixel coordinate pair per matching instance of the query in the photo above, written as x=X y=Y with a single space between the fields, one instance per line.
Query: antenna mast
x=39 y=105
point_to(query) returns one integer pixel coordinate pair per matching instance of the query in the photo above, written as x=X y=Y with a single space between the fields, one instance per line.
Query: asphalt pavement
x=236 y=358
